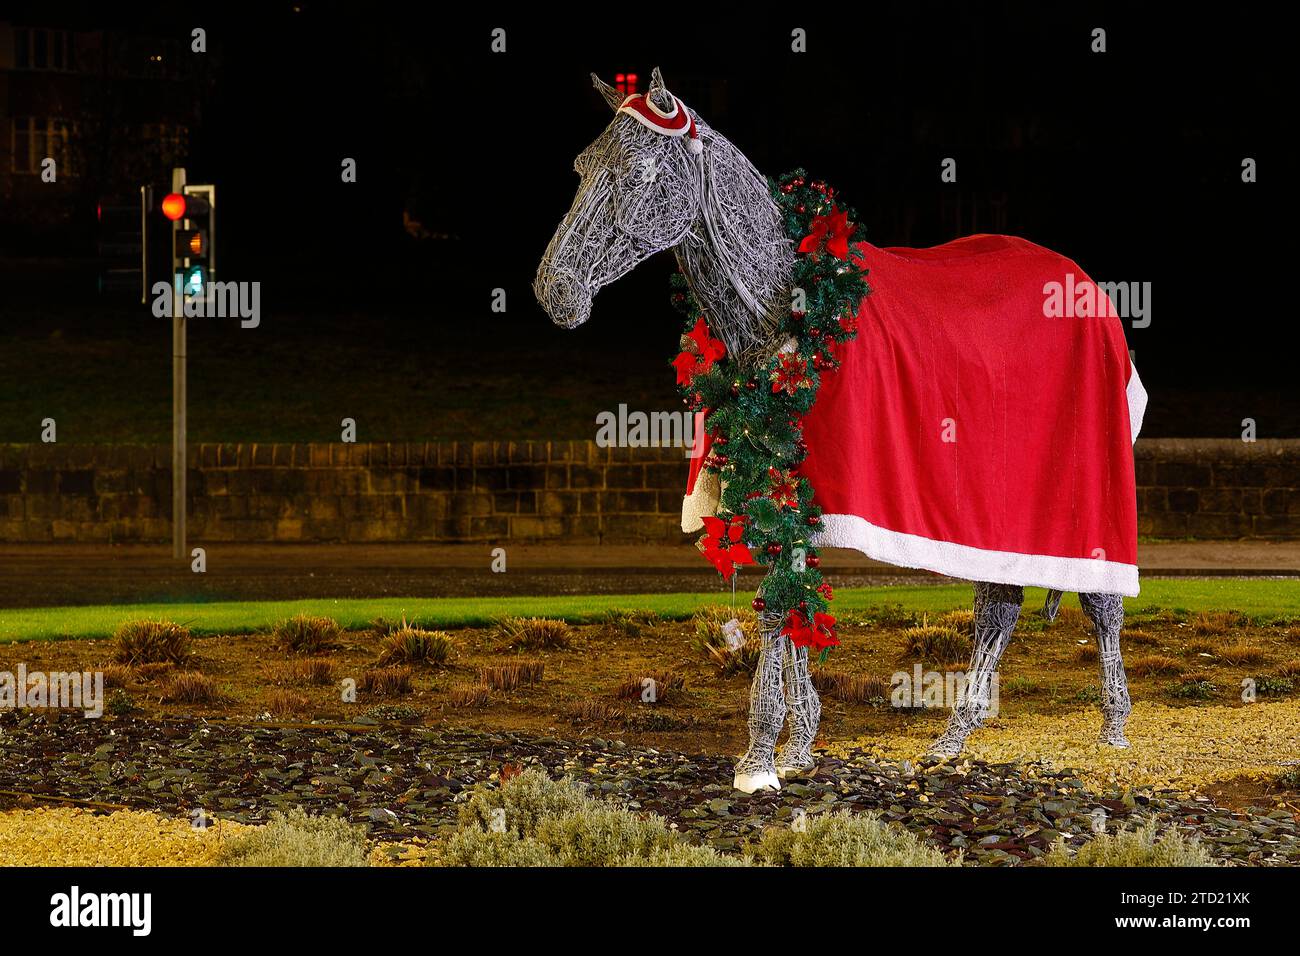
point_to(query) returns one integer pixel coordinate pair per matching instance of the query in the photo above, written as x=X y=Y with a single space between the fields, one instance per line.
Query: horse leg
x=795 y=757
x=756 y=770
x=1107 y=614
x=1052 y=605
x=997 y=608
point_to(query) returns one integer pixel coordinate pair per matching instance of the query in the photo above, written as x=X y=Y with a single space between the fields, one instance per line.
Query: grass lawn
x=1257 y=598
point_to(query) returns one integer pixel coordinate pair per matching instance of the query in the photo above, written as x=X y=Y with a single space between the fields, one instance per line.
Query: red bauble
x=813 y=561
x=774 y=548
x=814 y=520
x=751 y=384
x=758 y=604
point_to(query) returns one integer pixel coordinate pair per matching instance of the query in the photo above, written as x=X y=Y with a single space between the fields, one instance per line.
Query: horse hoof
x=946 y=748
x=753 y=782
x=1118 y=741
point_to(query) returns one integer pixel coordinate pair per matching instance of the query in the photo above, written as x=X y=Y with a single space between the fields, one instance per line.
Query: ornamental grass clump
x=729 y=654
x=534 y=633
x=306 y=634
x=410 y=645
x=191 y=687
x=386 y=681
x=506 y=677
x=850 y=688
x=845 y=839
x=152 y=642
x=1146 y=846
x=937 y=644
x=296 y=839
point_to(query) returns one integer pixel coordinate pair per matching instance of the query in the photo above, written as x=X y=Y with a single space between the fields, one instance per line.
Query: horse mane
x=737 y=256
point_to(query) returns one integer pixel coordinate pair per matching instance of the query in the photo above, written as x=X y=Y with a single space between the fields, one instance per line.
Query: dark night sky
x=1128 y=162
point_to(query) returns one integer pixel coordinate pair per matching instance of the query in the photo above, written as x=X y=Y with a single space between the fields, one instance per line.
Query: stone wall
x=525 y=491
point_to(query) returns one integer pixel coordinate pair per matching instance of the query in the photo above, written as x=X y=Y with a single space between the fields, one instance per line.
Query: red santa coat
x=970 y=433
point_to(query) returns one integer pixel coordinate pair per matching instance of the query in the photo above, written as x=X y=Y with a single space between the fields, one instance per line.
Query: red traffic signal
x=173 y=206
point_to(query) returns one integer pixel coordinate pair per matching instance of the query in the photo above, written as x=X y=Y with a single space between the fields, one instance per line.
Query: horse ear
x=658 y=91
x=612 y=96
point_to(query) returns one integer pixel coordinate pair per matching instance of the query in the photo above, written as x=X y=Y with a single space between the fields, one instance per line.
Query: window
x=40 y=49
x=37 y=138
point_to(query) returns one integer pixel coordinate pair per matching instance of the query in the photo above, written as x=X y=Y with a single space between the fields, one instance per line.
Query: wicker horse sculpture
x=1039 y=489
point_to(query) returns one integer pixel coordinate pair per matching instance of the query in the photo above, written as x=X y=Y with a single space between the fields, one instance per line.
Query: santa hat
x=674 y=122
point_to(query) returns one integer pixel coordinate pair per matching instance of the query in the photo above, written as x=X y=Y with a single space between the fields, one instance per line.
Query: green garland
x=756 y=414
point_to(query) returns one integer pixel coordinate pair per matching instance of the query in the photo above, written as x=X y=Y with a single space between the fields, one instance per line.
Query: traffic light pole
x=179 y=352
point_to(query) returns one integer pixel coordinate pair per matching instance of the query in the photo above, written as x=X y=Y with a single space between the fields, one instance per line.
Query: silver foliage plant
x=644 y=190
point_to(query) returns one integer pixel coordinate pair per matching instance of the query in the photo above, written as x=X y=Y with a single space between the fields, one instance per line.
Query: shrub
x=510 y=676
x=285 y=704
x=1086 y=653
x=665 y=682
x=1072 y=617
x=121 y=704
x=468 y=695
x=386 y=681
x=1271 y=685
x=534 y=633
x=556 y=823
x=1151 y=664
x=1241 y=653
x=1289 y=779
x=409 y=645
x=152 y=642
x=305 y=634
x=151 y=672
x=595 y=712
x=1137 y=635
x=686 y=855
x=191 y=687
x=852 y=688
x=627 y=623
x=1285 y=669
x=1216 y=623
x=960 y=620
x=117 y=675
x=1020 y=686
x=709 y=639
x=939 y=645
x=395 y=713
x=1139 y=847
x=888 y=615
x=1193 y=688
x=309 y=670
x=845 y=839
x=296 y=839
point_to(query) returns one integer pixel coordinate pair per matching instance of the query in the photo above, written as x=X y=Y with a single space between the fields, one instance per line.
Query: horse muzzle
x=564 y=298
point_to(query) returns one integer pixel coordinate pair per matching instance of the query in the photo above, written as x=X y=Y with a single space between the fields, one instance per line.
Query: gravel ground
x=405 y=783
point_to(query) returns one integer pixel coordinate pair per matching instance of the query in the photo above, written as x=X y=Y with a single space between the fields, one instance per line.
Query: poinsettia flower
x=831 y=230
x=791 y=374
x=722 y=546
x=784 y=487
x=818 y=634
x=687 y=365
x=708 y=348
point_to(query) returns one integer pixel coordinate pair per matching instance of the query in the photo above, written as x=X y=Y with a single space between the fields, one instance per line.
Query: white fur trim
x=1137 y=402
x=1088 y=575
x=702 y=502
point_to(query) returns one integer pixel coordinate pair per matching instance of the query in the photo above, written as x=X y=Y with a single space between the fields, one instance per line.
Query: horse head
x=638 y=195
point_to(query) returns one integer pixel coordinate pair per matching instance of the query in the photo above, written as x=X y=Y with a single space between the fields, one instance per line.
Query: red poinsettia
x=819 y=633
x=784 y=488
x=701 y=351
x=722 y=546
x=832 y=231
x=791 y=374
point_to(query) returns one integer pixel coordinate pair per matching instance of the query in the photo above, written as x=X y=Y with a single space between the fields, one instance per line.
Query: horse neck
x=736 y=256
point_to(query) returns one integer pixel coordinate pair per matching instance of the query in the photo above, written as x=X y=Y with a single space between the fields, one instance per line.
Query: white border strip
x=1137 y=402
x=1087 y=575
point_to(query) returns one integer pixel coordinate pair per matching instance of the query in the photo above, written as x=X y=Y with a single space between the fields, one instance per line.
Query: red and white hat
x=675 y=122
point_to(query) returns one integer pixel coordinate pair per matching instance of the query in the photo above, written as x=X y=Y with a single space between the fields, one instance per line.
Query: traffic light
x=193 y=235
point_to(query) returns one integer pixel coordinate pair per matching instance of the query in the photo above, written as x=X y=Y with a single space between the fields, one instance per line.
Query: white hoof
x=751 y=782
